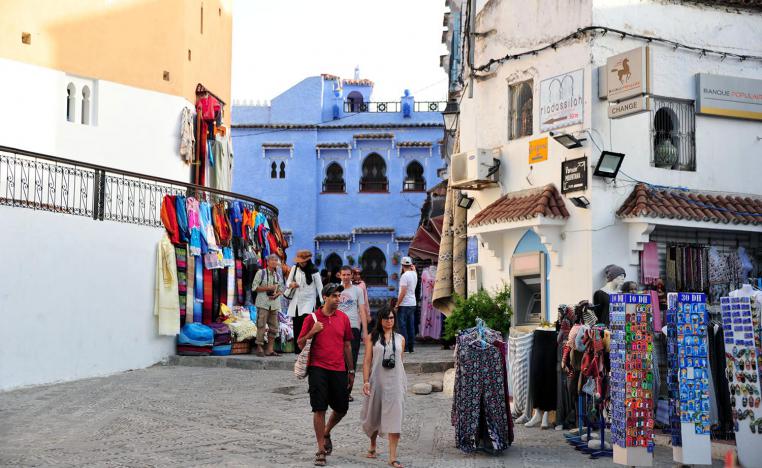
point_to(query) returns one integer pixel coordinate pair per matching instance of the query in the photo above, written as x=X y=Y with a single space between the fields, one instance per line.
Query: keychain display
x=742 y=365
x=632 y=379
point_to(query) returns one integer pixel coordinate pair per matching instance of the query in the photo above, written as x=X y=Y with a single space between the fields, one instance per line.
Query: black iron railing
x=49 y=183
x=392 y=106
x=374 y=185
x=375 y=279
x=414 y=186
x=334 y=187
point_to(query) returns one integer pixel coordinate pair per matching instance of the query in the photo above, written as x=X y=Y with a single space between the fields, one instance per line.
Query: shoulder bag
x=303 y=359
x=290 y=292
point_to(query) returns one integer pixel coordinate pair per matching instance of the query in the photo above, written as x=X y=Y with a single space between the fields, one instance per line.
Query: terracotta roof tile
x=691 y=205
x=414 y=144
x=333 y=237
x=523 y=205
x=277 y=145
x=337 y=144
x=374 y=136
x=373 y=230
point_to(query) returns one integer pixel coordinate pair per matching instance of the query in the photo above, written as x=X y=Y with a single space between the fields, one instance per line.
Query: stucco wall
x=130 y=42
x=77 y=298
x=133 y=129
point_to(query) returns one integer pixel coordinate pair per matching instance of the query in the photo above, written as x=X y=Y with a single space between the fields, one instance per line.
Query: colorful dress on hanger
x=431 y=317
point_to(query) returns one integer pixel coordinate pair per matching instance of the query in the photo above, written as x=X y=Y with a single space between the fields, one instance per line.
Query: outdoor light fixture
x=464 y=201
x=569 y=141
x=580 y=202
x=451 y=115
x=608 y=164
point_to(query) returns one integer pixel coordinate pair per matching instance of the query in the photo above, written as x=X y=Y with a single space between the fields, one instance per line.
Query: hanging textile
x=480 y=401
x=169 y=218
x=193 y=212
x=166 y=298
x=208 y=304
x=182 y=279
x=649 y=263
x=451 y=271
x=187 y=137
x=198 y=291
x=431 y=317
x=190 y=298
x=520 y=355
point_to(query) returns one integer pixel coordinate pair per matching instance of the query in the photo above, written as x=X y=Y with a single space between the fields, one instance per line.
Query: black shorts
x=328 y=388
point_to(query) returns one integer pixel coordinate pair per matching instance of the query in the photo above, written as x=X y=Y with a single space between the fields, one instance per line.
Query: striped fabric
x=207 y=305
x=181 y=254
x=231 y=287
x=198 y=290
x=239 y=281
x=190 y=296
x=520 y=355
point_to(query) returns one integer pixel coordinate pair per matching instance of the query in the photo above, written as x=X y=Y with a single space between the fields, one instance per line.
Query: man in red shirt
x=331 y=372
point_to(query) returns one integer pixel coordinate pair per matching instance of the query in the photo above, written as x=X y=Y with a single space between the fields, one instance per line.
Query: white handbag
x=303 y=359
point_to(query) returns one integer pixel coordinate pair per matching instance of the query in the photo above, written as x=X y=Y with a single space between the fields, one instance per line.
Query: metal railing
x=414 y=186
x=375 y=279
x=334 y=187
x=49 y=183
x=392 y=106
x=374 y=185
x=673 y=134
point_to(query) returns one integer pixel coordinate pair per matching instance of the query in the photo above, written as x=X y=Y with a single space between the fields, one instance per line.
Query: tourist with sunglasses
x=384 y=385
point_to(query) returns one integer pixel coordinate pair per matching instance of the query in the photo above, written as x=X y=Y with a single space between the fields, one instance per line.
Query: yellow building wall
x=133 y=42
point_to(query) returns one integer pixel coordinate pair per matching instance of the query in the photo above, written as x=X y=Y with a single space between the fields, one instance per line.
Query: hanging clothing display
x=187 y=137
x=520 y=355
x=542 y=370
x=431 y=317
x=480 y=409
x=166 y=297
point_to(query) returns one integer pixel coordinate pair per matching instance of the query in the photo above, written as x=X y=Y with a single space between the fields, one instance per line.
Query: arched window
x=333 y=263
x=374 y=174
x=665 y=141
x=273 y=171
x=282 y=174
x=71 y=102
x=355 y=102
x=521 y=109
x=374 y=267
x=334 y=179
x=86 y=105
x=414 y=181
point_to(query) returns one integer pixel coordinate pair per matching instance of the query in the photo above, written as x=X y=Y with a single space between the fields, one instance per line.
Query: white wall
x=729 y=155
x=136 y=130
x=76 y=295
x=76 y=298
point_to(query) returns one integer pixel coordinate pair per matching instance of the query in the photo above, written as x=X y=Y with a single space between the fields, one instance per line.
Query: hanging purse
x=303 y=359
x=290 y=292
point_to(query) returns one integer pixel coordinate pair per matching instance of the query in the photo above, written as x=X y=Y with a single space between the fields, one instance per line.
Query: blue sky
x=396 y=43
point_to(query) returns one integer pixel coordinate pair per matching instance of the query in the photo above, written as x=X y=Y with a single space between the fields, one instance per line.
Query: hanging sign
x=574 y=175
x=538 y=150
x=729 y=96
x=631 y=106
x=472 y=251
x=628 y=74
x=562 y=100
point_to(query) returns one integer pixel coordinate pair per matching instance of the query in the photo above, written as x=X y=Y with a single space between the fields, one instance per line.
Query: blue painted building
x=348 y=174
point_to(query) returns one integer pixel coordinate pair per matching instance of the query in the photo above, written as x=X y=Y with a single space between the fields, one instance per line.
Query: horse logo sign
x=628 y=74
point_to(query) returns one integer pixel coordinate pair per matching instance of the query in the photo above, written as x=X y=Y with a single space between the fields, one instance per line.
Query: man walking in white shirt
x=353 y=304
x=406 y=303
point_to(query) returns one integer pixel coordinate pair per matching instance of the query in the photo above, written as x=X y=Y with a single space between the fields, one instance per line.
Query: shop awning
x=541 y=209
x=425 y=245
x=664 y=205
x=526 y=205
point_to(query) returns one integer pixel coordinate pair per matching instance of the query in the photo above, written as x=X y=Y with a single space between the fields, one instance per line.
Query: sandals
x=371 y=454
x=327 y=444
x=320 y=459
x=396 y=464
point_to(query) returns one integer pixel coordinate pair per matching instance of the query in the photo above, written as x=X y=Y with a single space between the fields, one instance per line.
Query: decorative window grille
x=673 y=129
x=374 y=174
x=414 y=181
x=374 y=267
x=334 y=179
x=520 y=109
x=333 y=263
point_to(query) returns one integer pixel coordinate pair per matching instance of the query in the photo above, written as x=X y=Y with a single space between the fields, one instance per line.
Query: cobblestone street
x=196 y=416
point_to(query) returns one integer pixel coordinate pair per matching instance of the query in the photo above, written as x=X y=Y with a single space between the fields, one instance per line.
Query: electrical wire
x=603 y=30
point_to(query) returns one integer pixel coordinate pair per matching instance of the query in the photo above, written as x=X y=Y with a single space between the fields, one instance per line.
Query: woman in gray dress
x=384 y=385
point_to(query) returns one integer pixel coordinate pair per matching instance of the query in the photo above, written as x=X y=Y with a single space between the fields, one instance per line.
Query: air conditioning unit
x=474 y=169
x=474 y=280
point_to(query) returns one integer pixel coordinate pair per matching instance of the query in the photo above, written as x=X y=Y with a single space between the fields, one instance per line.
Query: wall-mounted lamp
x=569 y=141
x=580 y=202
x=450 y=114
x=464 y=201
x=608 y=164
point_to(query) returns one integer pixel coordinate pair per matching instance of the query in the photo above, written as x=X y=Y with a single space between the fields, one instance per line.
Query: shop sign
x=632 y=106
x=472 y=250
x=538 y=150
x=628 y=74
x=729 y=96
x=574 y=175
x=562 y=100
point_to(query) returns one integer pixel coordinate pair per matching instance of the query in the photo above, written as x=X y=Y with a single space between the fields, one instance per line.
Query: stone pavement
x=198 y=416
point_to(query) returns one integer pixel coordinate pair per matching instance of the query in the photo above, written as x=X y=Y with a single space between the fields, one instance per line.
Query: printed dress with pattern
x=383 y=410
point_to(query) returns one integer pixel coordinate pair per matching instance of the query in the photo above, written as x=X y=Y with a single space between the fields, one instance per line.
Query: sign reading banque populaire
x=729 y=96
x=562 y=100
x=628 y=74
